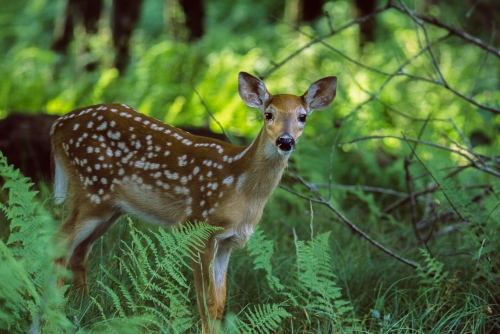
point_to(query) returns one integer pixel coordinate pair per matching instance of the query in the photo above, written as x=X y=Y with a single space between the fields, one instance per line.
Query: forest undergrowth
x=387 y=219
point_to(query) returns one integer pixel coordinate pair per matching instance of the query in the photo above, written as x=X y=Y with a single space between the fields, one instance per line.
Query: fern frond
x=29 y=298
x=184 y=241
x=99 y=307
x=139 y=254
x=432 y=272
x=116 y=300
x=153 y=264
x=144 y=323
x=262 y=251
x=264 y=319
x=316 y=287
x=18 y=294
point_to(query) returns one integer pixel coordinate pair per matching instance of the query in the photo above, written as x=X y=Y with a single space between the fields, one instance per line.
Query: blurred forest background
x=387 y=219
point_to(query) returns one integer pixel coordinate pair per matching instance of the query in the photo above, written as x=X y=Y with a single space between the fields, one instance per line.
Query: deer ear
x=321 y=93
x=252 y=90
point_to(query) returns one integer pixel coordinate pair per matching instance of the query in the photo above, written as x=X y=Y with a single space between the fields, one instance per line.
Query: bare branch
x=211 y=114
x=452 y=30
x=446 y=230
x=474 y=164
x=399 y=72
x=363 y=188
x=296 y=193
x=344 y=219
x=402 y=201
x=332 y=152
x=319 y=39
x=439 y=184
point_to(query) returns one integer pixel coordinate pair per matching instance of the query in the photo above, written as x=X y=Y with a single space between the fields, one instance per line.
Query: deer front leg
x=210 y=280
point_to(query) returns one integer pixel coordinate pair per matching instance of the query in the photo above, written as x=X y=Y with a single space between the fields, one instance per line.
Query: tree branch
x=452 y=30
x=344 y=219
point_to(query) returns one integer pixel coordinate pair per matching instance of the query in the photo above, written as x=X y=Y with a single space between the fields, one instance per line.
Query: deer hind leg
x=78 y=234
x=210 y=280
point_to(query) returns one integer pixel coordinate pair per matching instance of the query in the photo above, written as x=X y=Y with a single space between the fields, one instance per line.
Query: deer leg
x=79 y=259
x=64 y=240
x=210 y=280
x=78 y=266
x=78 y=233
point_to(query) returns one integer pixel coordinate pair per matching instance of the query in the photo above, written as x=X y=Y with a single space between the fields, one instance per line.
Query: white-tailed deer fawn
x=118 y=161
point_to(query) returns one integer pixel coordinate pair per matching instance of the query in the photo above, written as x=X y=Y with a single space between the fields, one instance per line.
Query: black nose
x=285 y=143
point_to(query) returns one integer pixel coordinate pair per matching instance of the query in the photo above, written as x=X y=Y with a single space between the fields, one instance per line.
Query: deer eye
x=302 y=118
x=268 y=116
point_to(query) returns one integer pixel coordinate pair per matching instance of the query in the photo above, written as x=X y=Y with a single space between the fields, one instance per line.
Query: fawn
x=117 y=160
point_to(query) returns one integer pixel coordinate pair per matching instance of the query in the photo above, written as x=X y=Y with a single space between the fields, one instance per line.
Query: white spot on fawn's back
x=94 y=198
x=103 y=126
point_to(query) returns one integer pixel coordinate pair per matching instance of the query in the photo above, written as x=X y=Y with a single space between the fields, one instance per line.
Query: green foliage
x=264 y=319
x=432 y=272
x=313 y=287
x=482 y=237
x=29 y=298
x=262 y=251
x=394 y=86
x=157 y=288
x=156 y=293
x=315 y=290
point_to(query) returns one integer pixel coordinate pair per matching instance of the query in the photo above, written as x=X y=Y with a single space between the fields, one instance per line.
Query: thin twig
x=409 y=186
x=444 y=231
x=332 y=152
x=434 y=61
x=212 y=115
x=462 y=34
x=415 y=119
x=442 y=147
x=431 y=189
x=363 y=188
x=467 y=142
x=351 y=225
x=320 y=39
x=402 y=201
x=439 y=185
x=296 y=193
x=399 y=72
x=413 y=201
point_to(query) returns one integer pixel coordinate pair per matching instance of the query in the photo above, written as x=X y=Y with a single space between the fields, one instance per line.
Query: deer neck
x=263 y=167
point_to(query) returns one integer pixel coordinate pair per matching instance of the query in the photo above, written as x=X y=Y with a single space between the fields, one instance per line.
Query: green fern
x=131 y=325
x=29 y=298
x=316 y=287
x=265 y=318
x=156 y=287
x=481 y=232
x=262 y=251
x=431 y=274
